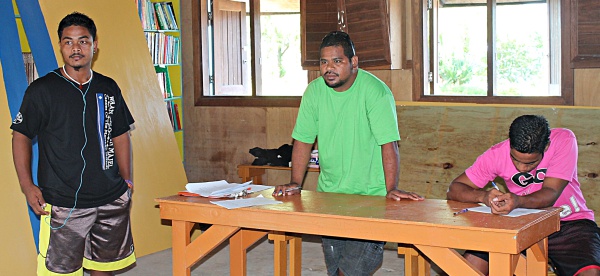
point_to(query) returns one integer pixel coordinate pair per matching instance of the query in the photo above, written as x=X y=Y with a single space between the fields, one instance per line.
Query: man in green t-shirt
x=353 y=115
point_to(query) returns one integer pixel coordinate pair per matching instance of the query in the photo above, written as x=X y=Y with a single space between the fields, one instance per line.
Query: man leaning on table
x=353 y=114
x=539 y=166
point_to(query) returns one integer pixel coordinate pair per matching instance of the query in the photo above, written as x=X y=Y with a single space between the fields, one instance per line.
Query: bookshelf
x=161 y=28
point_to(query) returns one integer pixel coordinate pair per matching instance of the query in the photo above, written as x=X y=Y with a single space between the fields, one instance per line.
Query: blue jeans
x=352 y=257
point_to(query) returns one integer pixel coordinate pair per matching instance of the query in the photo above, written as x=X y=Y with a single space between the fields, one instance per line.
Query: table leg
x=537 y=258
x=414 y=263
x=186 y=252
x=449 y=260
x=503 y=264
x=521 y=269
x=295 y=256
x=280 y=241
x=181 y=239
x=255 y=174
x=238 y=245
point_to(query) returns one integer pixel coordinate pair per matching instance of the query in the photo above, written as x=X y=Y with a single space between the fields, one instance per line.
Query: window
x=491 y=51
x=252 y=54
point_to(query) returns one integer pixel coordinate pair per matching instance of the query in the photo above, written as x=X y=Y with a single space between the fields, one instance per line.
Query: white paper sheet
x=222 y=188
x=514 y=213
x=245 y=202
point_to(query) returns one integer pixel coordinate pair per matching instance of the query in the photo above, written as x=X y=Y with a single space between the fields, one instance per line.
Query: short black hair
x=529 y=134
x=77 y=19
x=339 y=38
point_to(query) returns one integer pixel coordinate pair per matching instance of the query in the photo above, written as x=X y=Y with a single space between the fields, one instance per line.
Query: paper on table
x=514 y=213
x=245 y=202
x=222 y=188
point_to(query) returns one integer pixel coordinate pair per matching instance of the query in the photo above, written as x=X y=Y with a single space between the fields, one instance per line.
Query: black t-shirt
x=53 y=109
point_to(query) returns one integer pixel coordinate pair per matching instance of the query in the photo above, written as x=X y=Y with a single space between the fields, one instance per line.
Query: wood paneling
x=585 y=33
x=587 y=87
x=440 y=142
x=221 y=139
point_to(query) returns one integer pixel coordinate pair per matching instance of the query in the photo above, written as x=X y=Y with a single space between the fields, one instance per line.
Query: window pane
x=461 y=51
x=524 y=65
x=522 y=50
x=282 y=73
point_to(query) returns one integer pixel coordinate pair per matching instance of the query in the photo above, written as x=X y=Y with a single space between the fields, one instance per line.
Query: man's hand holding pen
x=494 y=199
x=501 y=203
x=287 y=189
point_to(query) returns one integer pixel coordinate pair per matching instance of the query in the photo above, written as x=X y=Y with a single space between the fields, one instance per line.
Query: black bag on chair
x=281 y=156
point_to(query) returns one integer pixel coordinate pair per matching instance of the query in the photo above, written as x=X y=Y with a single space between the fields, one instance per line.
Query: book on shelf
x=157 y=15
x=162 y=84
x=164 y=80
x=165 y=85
x=170 y=111
x=177 y=118
x=174 y=117
x=171 y=11
x=163 y=48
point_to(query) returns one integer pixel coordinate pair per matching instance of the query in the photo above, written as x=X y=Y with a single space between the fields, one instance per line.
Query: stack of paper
x=222 y=188
x=246 y=202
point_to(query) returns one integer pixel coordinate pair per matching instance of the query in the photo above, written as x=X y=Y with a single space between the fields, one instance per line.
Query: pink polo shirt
x=560 y=161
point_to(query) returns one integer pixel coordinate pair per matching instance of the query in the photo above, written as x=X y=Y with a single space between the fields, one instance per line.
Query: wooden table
x=429 y=225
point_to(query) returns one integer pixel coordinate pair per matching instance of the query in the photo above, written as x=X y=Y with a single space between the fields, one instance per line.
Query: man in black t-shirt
x=82 y=125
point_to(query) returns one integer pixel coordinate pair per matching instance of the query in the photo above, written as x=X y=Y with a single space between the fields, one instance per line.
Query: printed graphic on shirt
x=106 y=108
x=524 y=179
x=18 y=119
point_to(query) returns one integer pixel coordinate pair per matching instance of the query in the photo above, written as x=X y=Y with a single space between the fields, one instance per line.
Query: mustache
x=76 y=55
x=332 y=73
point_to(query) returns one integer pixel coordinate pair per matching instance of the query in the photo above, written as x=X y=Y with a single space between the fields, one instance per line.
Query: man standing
x=539 y=167
x=82 y=126
x=353 y=115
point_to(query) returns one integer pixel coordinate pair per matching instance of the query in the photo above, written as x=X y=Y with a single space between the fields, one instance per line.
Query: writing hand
x=398 y=195
x=287 y=189
x=491 y=198
x=505 y=203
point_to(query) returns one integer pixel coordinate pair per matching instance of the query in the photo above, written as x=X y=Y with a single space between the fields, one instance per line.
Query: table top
x=427 y=222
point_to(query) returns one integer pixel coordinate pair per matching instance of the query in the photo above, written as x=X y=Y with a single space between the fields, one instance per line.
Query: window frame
x=200 y=59
x=419 y=40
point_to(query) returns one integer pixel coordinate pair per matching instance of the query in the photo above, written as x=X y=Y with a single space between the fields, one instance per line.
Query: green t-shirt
x=351 y=126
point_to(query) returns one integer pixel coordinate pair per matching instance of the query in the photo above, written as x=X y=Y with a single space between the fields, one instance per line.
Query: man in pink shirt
x=539 y=167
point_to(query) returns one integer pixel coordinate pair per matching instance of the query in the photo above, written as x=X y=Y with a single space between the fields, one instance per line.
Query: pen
x=496 y=198
x=293 y=189
x=289 y=190
x=495 y=186
x=461 y=211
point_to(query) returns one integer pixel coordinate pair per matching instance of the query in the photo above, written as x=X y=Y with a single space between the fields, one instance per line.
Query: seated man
x=539 y=167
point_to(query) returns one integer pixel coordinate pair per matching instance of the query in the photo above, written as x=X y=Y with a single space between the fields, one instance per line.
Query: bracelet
x=129 y=183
